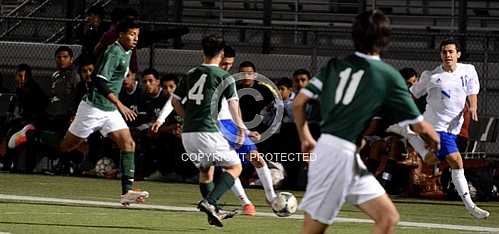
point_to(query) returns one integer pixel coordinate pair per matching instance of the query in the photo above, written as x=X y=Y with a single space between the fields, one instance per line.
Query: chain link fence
x=276 y=51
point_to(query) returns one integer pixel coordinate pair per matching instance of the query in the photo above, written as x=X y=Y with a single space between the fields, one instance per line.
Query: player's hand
x=254 y=135
x=308 y=145
x=155 y=126
x=128 y=114
x=474 y=114
x=240 y=139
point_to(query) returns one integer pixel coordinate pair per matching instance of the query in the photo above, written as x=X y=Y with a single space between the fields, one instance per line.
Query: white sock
x=462 y=187
x=266 y=179
x=238 y=190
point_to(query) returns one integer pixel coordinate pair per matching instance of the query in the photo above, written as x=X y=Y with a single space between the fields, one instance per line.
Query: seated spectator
x=49 y=129
x=86 y=68
x=130 y=92
x=26 y=108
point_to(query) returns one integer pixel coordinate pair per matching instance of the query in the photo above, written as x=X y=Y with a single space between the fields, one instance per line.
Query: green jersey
x=113 y=68
x=352 y=90
x=201 y=87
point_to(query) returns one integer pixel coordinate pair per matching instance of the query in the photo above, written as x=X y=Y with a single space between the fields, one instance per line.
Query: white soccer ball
x=285 y=204
x=104 y=166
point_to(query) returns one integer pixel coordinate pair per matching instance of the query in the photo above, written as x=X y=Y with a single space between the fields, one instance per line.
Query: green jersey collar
x=362 y=55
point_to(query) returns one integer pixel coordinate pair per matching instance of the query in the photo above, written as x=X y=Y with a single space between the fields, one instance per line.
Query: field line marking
x=264 y=214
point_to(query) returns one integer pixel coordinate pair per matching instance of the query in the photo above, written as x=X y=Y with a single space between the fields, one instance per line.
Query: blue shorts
x=230 y=130
x=447 y=145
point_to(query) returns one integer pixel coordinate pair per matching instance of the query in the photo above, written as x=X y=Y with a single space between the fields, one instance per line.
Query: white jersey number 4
x=196 y=92
x=346 y=96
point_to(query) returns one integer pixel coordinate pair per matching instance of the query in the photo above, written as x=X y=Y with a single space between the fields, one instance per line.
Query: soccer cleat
x=223 y=214
x=133 y=196
x=211 y=211
x=20 y=137
x=479 y=213
x=249 y=209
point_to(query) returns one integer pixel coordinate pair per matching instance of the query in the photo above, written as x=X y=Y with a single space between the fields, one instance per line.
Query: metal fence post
x=151 y=55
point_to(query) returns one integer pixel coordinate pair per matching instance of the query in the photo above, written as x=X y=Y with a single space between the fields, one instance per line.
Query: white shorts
x=334 y=177
x=89 y=119
x=205 y=149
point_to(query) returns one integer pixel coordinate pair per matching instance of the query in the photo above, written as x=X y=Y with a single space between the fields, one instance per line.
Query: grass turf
x=19 y=217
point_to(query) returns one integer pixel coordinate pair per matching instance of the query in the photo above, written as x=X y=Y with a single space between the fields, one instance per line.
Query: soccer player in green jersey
x=204 y=143
x=101 y=109
x=351 y=90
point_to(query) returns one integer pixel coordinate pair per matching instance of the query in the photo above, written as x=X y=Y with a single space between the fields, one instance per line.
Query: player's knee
x=389 y=219
x=128 y=144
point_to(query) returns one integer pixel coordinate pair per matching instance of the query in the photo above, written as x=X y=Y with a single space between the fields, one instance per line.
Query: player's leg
x=247 y=205
x=206 y=184
x=70 y=142
x=263 y=172
x=383 y=212
x=311 y=226
x=329 y=178
x=450 y=152
x=124 y=140
x=461 y=184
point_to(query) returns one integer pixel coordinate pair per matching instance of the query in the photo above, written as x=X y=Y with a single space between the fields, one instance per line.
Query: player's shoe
x=133 y=196
x=211 y=211
x=479 y=213
x=249 y=209
x=20 y=137
x=223 y=214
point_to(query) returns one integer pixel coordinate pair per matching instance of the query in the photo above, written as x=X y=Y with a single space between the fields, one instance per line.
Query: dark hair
x=96 y=10
x=86 y=60
x=126 y=24
x=170 y=76
x=212 y=45
x=151 y=71
x=130 y=12
x=451 y=41
x=302 y=71
x=371 y=31
x=64 y=48
x=247 y=64
x=408 y=72
x=26 y=68
x=285 y=81
x=229 y=52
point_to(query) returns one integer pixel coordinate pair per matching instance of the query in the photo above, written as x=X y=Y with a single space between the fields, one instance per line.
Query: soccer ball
x=104 y=166
x=285 y=204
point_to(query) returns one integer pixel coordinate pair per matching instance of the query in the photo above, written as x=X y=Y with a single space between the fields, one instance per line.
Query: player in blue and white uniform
x=448 y=87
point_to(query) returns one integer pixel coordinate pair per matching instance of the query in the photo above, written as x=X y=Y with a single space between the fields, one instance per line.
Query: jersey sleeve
x=230 y=93
x=400 y=104
x=109 y=62
x=181 y=91
x=420 y=88
x=314 y=87
x=473 y=84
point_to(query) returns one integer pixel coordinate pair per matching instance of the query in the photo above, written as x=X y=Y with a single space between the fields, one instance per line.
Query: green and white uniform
x=203 y=142
x=351 y=91
x=95 y=111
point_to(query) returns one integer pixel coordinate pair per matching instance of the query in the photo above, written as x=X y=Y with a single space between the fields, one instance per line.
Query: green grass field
x=20 y=216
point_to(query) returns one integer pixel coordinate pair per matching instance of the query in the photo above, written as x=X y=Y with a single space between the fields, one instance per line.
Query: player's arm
x=306 y=139
x=101 y=86
x=420 y=88
x=473 y=106
x=472 y=92
x=426 y=131
x=230 y=94
x=400 y=101
x=165 y=111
